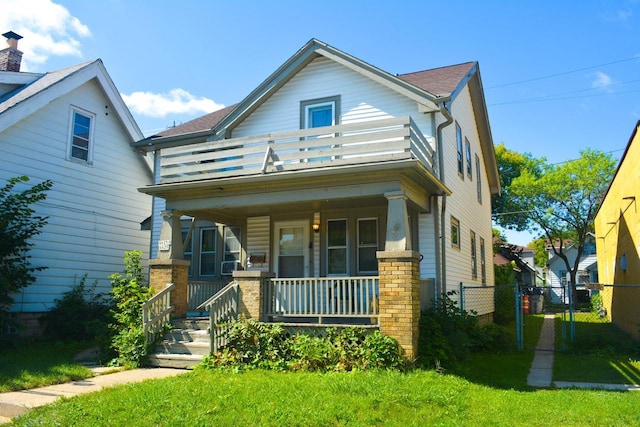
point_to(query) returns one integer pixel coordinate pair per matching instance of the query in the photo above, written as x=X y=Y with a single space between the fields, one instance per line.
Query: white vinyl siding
x=94 y=213
x=258 y=238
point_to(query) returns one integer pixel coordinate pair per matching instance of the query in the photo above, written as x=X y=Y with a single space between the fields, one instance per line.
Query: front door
x=292 y=248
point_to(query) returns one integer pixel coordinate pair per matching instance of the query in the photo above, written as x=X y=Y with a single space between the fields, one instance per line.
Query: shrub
x=129 y=293
x=448 y=334
x=252 y=344
x=80 y=315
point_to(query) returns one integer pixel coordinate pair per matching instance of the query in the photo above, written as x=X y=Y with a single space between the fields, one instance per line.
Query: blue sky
x=558 y=76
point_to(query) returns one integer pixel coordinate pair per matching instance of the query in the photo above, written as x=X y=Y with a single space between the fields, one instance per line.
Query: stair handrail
x=156 y=312
x=222 y=308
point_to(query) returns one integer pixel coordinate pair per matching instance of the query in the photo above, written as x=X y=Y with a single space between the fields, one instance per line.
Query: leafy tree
x=541 y=256
x=18 y=224
x=558 y=200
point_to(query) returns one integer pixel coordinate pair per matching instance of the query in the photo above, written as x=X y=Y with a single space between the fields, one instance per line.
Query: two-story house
x=72 y=127
x=327 y=166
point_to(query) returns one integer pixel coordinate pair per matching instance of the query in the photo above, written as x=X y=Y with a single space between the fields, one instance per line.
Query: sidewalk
x=18 y=402
x=541 y=371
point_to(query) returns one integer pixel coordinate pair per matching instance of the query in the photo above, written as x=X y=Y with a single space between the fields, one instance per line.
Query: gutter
x=441 y=259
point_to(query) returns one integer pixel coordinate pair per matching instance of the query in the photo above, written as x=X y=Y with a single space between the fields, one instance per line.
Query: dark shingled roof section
x=439 y=81
x=196 y=125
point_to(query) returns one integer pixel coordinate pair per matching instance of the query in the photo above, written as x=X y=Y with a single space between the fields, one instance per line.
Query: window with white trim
x=336 y=247
x=208 y=237
x=474 y=257
x=468 y=153
x=317 y=113
x=478 y=180
x=563 y=277
x=483 y=266
x=455 y=233
x=460 y=153
x=231 y=243
x=81 y=135
x=367 y=245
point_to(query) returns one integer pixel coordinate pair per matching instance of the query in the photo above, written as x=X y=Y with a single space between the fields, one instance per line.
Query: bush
x=252 y=344
x=448 y=334
x=80 y=315
x=129 y=293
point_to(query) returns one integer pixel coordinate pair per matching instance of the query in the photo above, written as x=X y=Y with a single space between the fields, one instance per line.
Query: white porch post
x=398 y=236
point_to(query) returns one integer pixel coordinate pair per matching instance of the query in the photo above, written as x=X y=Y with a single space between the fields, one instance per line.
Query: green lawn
x=38 y=365
x=267 y=398
x=601 y=353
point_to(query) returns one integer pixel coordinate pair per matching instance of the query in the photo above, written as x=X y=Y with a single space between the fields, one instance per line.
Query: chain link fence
x=579 y=310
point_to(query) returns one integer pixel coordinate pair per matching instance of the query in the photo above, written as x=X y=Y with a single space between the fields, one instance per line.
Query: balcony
x=353 y=144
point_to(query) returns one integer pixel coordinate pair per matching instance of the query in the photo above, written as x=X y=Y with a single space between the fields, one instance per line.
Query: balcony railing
x=323 y=297
x=349 y=144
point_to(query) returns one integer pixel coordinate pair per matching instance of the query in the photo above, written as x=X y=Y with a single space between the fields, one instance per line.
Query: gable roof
x=433 y=89
x=38 y=90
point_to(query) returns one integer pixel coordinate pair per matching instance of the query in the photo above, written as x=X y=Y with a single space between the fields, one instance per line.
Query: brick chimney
x=11 y=57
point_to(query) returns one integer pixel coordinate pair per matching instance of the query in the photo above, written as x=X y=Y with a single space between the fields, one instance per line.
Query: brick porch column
x=176 y=271
x=399 y=303
x=170 y=265
x=251 y=292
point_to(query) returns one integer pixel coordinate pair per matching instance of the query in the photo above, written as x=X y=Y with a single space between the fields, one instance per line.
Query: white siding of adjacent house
x=361 y=99
x=94 y=211
x=463 y=205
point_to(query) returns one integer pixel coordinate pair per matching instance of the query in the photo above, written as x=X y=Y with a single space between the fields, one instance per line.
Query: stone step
x=183 y=347
x=4 y=420
x=181 y=361
x=187 y=335
x=198 y=323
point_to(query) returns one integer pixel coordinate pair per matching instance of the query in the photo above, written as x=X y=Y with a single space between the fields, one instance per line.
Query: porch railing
x=323 y=297
x=222 y=308
x=348 y=144
x=199 y=292
x=156 y=312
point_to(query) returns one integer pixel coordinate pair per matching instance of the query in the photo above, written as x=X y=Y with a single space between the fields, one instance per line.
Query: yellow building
x=617 y=226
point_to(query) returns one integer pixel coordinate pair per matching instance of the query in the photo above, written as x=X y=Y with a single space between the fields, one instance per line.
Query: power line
x=543 y=99
x=564 y=73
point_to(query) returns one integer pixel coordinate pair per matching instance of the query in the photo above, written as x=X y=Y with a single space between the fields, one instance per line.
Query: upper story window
x=474 y=256
x=460 y=153
x=468 y=154
x=81 y=138
x=483 y=267
x=321 y=112
x=478 y=181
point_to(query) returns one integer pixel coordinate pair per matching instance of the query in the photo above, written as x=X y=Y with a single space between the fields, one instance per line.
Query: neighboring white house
x=72 y=127
x=399 y=162
x=558 y=275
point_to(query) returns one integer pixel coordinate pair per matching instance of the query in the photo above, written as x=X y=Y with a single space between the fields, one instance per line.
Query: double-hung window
x=232 y=244
x=336 y=247
x=468 y=153
x=367 y=245
x=478 y=180
x=455 y=233
x=208 y=237
x=474 y=256
x=483 y=267
x=459 y=151
x=80 y=144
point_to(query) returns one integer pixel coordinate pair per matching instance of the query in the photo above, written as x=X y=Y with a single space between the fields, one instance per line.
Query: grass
x=38 y=365
x=601 y=353
x=267 y=398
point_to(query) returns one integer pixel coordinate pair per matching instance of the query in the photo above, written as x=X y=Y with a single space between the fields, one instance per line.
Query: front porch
x=390 y=301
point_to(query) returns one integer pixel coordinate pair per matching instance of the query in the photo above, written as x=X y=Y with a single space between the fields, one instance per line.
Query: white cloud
x=177 y=101
x=601 y=80
x=48 y=30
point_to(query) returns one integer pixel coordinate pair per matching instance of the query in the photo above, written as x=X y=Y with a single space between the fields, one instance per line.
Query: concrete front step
x=182 y=361
x=183 y=347
x=197 y=323
x=187 y=335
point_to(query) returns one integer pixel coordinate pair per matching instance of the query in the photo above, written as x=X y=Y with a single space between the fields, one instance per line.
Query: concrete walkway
x=18 y=402
x=541 y=371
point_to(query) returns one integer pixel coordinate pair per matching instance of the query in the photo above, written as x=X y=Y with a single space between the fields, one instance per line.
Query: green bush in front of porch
x=253 y=344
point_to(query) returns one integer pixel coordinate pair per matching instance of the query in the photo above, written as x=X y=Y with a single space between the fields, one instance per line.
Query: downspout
x=442 y=261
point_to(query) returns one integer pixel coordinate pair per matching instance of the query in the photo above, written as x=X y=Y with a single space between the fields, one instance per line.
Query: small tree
x=129 y=292
x=18 y=224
